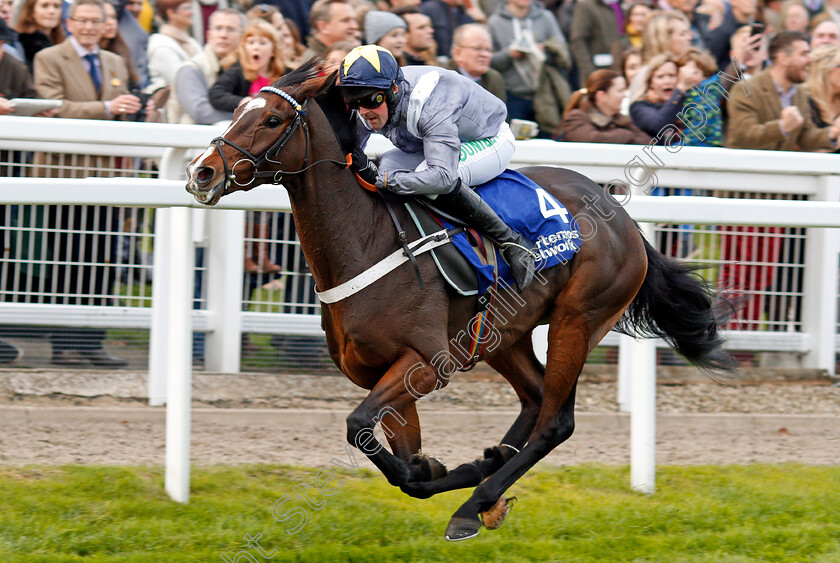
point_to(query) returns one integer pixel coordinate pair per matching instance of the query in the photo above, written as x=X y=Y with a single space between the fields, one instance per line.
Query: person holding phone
x=749 y=50
x=768 y=112
x=737 y=14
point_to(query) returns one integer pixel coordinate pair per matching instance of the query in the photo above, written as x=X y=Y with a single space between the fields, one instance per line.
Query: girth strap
x=384 y=267
x=403 y=239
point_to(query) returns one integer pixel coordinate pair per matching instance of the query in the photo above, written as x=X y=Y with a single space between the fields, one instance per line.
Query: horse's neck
x=339 y=224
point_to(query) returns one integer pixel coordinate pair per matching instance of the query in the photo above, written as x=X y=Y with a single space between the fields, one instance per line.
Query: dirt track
x=96 y=417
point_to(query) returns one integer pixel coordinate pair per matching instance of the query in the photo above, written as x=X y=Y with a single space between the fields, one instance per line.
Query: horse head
x=267 y=140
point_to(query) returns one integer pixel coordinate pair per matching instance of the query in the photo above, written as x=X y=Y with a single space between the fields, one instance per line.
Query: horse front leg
x=568 y=347
x=521 y=368
x=406 y=444
x=393 y=407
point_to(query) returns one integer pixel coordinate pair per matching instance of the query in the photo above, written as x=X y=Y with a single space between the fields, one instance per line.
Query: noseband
x=257 y=161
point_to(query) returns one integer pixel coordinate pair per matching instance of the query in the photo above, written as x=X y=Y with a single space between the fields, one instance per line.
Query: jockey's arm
x=442 y=150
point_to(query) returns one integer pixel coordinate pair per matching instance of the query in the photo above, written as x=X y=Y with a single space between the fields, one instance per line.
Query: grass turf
x=581 y=513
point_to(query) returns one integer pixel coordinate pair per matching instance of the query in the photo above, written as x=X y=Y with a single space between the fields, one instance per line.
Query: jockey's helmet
x=367 y=71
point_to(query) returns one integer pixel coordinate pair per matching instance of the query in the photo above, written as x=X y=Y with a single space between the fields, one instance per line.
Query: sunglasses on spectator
x=371 y=101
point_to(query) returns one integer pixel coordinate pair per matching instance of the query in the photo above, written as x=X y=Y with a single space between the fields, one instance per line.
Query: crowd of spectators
x=617 y=71
x=532 y=55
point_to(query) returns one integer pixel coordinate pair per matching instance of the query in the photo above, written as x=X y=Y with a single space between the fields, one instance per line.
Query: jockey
x=449 y=134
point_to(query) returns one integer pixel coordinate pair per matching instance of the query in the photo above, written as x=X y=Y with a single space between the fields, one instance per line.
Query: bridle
x=257 y=161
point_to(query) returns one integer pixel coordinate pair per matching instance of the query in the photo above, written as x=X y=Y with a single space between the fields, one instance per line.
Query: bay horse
x=388 y=338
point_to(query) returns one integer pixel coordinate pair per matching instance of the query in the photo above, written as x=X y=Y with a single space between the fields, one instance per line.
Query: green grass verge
x=582 y=513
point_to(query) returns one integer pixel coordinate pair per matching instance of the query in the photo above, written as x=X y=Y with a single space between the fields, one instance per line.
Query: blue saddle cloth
x=531 y=211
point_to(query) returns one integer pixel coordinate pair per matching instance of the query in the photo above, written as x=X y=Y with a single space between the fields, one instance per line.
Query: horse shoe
x=462 y=528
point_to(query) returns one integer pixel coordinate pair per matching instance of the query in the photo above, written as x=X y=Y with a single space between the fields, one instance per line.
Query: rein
x=257 y=161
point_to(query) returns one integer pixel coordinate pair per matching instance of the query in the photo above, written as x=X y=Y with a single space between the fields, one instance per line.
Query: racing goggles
x=367 y=101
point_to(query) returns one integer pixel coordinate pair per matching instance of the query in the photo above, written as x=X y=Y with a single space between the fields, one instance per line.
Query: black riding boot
x=465 y=204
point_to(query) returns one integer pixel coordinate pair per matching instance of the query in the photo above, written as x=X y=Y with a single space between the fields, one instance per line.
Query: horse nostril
x=204 y=174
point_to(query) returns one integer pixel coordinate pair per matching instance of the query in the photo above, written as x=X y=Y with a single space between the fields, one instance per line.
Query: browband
x=285 y=96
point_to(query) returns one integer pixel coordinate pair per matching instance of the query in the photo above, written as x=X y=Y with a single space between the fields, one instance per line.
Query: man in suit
x=767 y=113
x=63 y=71
x=472 y=49
x=93 y=83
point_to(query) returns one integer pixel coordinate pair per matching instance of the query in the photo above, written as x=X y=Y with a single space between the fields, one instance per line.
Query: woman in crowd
x=112 y=41
x=635 y=17
x=664 y=94
x=386 y=30
x=665 y=32
x=290 y=41
x=173 y=44
x=823 y=85
x=630 y=63
x=593 y=114
x=259 y=63
x=701 y=69
x=39 y=26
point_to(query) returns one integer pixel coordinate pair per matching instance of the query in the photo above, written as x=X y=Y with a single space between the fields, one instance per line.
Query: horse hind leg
x=521 y=368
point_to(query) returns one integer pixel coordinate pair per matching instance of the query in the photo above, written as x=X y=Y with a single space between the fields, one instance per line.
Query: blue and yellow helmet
x=369 y=66
x=370 y=72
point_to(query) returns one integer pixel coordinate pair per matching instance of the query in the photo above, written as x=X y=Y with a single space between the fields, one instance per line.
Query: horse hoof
x=430 y=468
x=495 y=516
x=462 y=528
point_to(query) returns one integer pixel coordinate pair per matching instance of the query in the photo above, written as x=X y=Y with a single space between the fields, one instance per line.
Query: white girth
x=382 y=268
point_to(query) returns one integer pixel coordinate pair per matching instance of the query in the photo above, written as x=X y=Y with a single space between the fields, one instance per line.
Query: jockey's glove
x=365 y=167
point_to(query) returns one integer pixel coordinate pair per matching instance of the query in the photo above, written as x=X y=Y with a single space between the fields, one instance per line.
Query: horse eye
x=272 y=121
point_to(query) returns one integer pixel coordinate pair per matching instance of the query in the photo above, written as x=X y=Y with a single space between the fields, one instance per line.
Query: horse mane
x=308 y=70
x=329 y=99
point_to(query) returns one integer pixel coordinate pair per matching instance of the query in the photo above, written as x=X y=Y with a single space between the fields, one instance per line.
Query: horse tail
x=678 y=306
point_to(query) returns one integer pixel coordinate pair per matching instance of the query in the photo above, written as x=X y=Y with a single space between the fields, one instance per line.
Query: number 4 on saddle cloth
x=526 y=208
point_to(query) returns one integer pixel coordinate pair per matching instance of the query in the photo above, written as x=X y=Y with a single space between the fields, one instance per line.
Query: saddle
x=472 y=264
x=458 y=272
